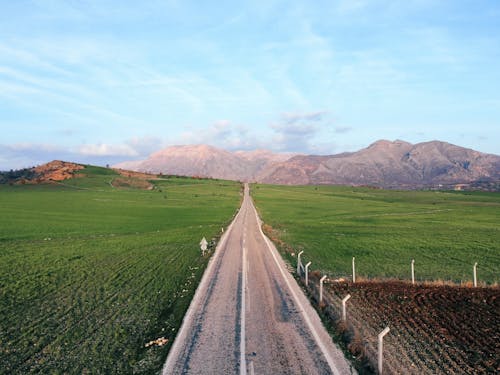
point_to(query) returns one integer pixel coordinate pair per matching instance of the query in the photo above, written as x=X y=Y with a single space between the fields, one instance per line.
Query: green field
x=445 y=232
x=90 y=273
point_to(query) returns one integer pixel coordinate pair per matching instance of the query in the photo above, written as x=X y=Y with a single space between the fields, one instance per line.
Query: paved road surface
x=249 y=316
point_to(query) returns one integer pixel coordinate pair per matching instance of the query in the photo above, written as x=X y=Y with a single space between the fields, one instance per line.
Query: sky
x=106 y=81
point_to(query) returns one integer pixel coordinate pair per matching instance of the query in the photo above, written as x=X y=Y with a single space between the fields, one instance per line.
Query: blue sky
x=104 y=81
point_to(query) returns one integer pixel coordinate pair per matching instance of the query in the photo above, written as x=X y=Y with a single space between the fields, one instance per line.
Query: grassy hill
x=91 y=272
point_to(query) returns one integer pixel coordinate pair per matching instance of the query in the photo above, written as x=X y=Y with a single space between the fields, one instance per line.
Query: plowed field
x=433 y=329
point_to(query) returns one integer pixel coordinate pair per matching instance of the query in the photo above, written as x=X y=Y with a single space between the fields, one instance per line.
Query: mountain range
x=387 y=164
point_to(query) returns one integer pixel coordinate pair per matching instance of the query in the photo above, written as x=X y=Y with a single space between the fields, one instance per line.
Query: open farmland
x=435 y=328
x=90 y=273
x=445 y=232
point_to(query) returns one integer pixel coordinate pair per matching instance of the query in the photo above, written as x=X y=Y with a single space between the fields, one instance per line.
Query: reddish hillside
x=56 y=170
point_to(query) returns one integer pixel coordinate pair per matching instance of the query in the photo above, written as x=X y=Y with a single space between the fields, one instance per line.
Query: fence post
x=353 y=270
x=381 y=349
x=321 y=288
x=344 y=314
x=413 y=271
x=307 y=273
x=475 y=275
x=298 y=262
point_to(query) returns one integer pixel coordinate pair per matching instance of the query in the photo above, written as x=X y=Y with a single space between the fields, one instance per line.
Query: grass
x=445 y=232
x=90 y=273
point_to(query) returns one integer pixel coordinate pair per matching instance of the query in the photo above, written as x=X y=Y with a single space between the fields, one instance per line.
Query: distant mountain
x=386 y=164
x=205 y=161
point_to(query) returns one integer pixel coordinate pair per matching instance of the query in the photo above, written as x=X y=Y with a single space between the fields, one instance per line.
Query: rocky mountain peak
x=384 y=163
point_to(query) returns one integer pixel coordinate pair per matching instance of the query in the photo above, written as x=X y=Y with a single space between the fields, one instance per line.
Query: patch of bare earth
x=132 y=174
x=434 y=329
x=131 y=183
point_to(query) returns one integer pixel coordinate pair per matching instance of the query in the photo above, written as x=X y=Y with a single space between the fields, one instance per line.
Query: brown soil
x=433 y=329
x=140 y=175
x=131 y=183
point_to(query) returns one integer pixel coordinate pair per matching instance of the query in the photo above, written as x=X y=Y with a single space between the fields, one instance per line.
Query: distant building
x=459 y=187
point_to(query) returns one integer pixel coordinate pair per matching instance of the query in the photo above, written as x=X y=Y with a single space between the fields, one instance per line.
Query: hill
x=208 y=161
x=385 y=164
x=55 y=170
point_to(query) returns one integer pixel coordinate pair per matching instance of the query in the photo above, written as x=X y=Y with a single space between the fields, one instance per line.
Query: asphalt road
x=249 y=316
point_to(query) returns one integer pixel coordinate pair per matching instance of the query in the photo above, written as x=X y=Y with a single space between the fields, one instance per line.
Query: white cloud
x=343 y=129
x=25 y=154
x=297 y=132
x=292 y=118
x=346 y=7
x=226 y=135
x=292 y=132
x=104 y=149
x=144 y=146
x=35 y=80
x=26 y=146
x=25 y=57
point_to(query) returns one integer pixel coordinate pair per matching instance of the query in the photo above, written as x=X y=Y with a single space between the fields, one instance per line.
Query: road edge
x=311 y=317
x=180 y=339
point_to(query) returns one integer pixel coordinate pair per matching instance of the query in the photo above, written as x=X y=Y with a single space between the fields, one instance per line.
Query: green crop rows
x=445 y=232
x=89 y=274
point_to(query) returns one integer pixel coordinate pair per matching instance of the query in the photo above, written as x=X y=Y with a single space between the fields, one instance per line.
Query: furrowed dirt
x=433 y=329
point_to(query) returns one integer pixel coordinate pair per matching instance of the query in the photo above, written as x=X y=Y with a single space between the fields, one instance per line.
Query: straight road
x=249 y=316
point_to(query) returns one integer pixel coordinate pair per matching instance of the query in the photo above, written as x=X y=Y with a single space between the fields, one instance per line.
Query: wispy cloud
x=292 y=118
x=440 y=47
x=38 y=82
x=297 y=132
x=106 y=72
x=224 y=134
x=23 y=155
x=343 y=129
x=103 y=149
x=292 y=132
x=144 y=146
x=347 y=7
x=27 y=154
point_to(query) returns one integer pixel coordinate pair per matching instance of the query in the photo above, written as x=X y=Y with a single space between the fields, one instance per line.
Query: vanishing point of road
x=249 y=316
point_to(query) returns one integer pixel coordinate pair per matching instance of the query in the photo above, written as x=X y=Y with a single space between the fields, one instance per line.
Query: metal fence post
x=381 y=349
x=353 y=270
x=321 y=288
x=298 y=262
x=413 y=271
x=475 y=275
x=307 y=273
x=344 y=313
